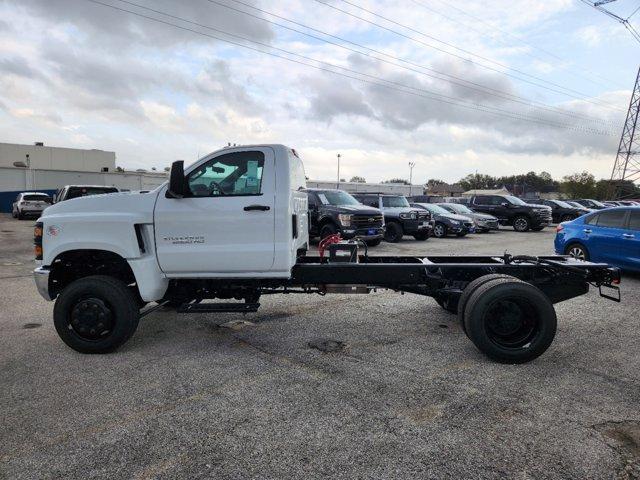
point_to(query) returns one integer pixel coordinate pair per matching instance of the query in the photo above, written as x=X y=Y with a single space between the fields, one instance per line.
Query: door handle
x=262 y=208
x=628 y=235
x=586 y=230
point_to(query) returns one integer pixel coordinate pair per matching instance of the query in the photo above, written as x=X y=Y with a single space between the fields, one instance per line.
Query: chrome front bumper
x=41 y=276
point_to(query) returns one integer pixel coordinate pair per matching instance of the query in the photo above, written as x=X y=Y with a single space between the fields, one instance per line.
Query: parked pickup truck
x=234 y=226
x=335 y=211
x=399 y=217
x=511 y=210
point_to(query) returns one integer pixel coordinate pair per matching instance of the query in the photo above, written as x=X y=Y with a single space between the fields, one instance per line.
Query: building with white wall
x=43 y=157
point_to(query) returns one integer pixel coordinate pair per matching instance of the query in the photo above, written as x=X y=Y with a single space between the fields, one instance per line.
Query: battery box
x=343 y=252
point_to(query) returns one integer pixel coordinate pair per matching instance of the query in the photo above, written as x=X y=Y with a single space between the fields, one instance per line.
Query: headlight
x=455 y=222
x=345 y=219
x=406 y=216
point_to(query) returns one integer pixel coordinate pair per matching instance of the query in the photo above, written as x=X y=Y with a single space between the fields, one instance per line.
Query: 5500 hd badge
x=184 y=239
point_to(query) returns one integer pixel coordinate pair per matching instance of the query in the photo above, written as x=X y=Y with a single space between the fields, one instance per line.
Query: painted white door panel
x=225 y=230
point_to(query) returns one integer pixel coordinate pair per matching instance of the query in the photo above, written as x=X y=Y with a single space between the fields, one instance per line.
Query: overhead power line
x=624 y=21
x=371 y=79
x=567 y=91
x=452 y=79
x=492 y=28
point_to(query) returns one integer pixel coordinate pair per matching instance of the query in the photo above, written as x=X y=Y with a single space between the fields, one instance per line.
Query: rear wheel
x=472 y=287
x=14 y=214
x=421 y=236
x=510 y=321
x=521 y=224
x=327 y=230
x=20 y=215
x=577 y=251
x=96 y=314
x=394 y=232
x=439 y=230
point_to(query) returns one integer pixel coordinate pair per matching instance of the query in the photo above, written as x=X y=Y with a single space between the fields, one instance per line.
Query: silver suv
x=30 y=204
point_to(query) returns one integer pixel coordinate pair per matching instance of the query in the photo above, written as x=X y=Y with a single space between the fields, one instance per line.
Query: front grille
x=364 y=221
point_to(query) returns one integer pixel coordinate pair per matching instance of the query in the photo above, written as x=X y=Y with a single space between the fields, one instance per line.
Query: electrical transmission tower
x=626 y=168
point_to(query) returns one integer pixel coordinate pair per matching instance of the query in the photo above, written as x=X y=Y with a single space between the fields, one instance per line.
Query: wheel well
x=74 y=264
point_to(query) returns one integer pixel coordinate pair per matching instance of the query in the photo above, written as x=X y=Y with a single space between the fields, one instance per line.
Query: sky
x=454 y=86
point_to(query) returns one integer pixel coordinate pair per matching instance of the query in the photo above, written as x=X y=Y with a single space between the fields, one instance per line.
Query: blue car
x=610 y=236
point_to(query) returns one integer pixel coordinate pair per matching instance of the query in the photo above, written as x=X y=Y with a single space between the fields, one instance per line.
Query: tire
x=394 y=232
x=109 y=297
x=20 y=215
x=374 y=243
x=421 y=236
x=14 y=214
x=521 y=224
x=439 y=230
x=471 y=287
x=510 y=321
x=327 y=230
x=574 y=250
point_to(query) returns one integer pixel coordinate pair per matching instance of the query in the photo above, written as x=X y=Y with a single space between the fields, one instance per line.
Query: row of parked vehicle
x=31 y=204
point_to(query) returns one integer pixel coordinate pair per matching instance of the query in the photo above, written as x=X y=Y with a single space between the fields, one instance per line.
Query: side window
x=592 y=220
x=495 y=200
x=237 y=173
x=634 y=220
x=612 y=219
x=483 y=200
x=373 y=201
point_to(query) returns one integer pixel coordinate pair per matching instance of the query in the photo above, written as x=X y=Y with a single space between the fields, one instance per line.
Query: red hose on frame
x=325 y=242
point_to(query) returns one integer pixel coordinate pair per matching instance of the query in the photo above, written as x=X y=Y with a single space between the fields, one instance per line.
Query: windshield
x=562 y=204
x=575 y=204
x=394 y=202
x=76 y=192
x=515 y=200
x=457 y=208
x=42 y=198
x=336 y=198
x=597 y=203
x=433 y=208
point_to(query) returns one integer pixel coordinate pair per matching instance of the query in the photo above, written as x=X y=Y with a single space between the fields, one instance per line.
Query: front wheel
x=521 y=224
x=96 y=314
x=394 y=232
x=421 y=236
x=577 y=251
x=439 y=230
x=510 y=321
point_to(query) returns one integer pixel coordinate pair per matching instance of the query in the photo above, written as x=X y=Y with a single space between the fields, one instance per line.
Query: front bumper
x=372 y=233
x=41 y=277
x=416 y=226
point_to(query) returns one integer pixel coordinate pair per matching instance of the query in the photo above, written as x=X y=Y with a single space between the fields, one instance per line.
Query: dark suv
x=560 y=211
x=511 y=210
x=399 y=217
x=335 y=211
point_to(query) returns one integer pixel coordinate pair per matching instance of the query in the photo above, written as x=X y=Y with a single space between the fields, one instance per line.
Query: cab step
x=218 y=307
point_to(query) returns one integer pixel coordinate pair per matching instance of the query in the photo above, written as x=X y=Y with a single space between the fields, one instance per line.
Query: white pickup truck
x=234 y=226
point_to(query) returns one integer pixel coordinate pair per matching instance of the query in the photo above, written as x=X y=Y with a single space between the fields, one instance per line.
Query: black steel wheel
x=510 y=321
x=577 y=251
x=394 y=232
x=471 y=287
x=521 y=224
x=96 y=314
x=439 y=230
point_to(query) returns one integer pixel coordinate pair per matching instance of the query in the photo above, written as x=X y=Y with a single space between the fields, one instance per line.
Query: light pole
x=411 y=165
x=28 y=172
x=338 y=182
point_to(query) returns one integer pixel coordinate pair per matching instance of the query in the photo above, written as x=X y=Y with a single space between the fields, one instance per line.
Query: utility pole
x=626 y=167
x=411 y=165
x=338 y=182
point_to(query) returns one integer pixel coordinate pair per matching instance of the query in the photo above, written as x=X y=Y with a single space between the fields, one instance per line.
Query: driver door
x=225 y=225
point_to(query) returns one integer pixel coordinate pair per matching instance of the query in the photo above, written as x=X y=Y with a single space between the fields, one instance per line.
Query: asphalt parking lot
x=408 y=396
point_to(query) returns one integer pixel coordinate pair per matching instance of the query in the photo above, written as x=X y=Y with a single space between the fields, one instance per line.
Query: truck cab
x=513 y=211
x=400 y=218
x=334 y=211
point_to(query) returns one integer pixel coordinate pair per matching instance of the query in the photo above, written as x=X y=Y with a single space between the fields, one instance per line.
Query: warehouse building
x=46 y=169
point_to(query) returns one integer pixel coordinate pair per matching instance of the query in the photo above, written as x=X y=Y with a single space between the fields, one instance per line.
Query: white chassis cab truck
x=234 y=226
